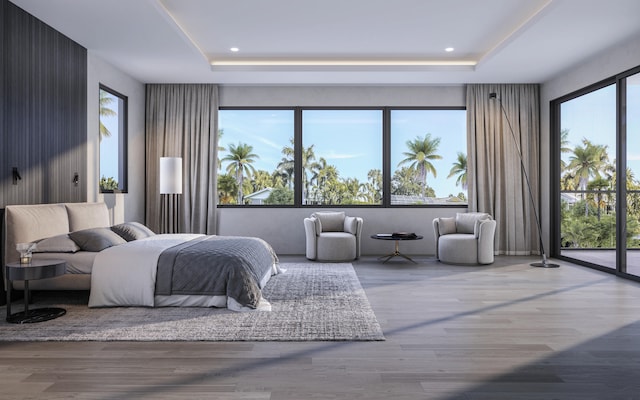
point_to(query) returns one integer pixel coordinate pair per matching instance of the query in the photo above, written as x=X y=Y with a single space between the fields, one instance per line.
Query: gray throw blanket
x=216 y=265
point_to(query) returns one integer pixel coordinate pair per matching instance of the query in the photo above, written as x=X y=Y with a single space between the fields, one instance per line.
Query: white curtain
x=182 y=121
x=497 y=184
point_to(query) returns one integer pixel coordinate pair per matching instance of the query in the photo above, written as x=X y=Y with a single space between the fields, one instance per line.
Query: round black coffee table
x=37 y=269
x=397 y=238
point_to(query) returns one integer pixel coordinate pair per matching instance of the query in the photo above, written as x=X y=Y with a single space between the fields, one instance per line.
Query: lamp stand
x=544 y=263
x=171 y=205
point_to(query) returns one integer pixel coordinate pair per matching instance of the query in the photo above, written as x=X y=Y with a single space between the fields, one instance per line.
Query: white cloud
x=277 y=146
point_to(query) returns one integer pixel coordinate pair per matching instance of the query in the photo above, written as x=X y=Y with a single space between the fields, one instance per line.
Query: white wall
x=622 y=57
x=122 y=206
x=283 y=227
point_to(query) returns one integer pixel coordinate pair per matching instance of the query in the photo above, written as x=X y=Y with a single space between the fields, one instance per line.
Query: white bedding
x=125 y=275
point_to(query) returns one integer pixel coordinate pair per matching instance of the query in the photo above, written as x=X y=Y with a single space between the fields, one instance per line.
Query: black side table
x=396 y=252
x=37 y=269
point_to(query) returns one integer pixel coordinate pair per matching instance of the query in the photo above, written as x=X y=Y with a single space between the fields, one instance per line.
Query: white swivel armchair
x=332 y=236
x=467 y=238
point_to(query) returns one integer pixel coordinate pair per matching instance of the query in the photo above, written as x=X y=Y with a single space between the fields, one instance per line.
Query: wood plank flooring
x=505 y=331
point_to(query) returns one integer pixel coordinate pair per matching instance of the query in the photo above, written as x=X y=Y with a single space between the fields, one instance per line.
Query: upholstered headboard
x=28 y=223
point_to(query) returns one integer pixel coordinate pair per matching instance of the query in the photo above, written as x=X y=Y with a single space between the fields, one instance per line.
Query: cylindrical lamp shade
x=170 y=175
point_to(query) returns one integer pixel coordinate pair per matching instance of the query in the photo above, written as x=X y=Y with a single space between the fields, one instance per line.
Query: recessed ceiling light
x=449 y=49
x=234 y=49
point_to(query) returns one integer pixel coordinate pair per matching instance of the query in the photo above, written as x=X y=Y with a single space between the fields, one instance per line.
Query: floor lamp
x=544 y=263
x=170 y=189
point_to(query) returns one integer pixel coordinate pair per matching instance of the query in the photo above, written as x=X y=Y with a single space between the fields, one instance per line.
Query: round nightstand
x=37 y=269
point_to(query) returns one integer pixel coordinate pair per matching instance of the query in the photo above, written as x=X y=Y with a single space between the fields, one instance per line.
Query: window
x=113 y=141
x=631 y=132
x=343 y=156
x=255 y=157
x=429 y=156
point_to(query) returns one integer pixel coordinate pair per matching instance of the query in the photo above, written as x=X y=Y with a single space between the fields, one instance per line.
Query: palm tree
x=374 y=186
x=327 y=179
x=240 y=157
x=308 y=157
x=287 y=164
x=564 y=147
x=227 y=185
x=403 y=182
x=220 y=148
x=460 y=168
x=599 y=184
x=261 y=180
x=105 y=111
x=585 y=163
x=355 y=189
x=421 y=152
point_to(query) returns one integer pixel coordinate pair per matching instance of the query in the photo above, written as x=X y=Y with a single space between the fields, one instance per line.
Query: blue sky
x=109 y=145
x=349 y=139
x=593 y=116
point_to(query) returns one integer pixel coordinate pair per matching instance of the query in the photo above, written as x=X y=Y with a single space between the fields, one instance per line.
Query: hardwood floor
x=505 y=331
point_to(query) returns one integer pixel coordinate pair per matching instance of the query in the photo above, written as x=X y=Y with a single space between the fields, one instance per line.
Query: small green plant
x=108 y=184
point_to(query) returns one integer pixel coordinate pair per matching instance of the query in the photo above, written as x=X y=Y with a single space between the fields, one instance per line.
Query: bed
x=128 y=265
x=187 y=270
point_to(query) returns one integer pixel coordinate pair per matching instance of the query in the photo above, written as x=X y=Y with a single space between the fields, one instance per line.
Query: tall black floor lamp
x=170 y=190
x=544 y=263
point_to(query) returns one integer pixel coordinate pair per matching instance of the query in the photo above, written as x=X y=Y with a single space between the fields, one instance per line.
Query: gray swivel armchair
x=466 y=238
x=332 y=236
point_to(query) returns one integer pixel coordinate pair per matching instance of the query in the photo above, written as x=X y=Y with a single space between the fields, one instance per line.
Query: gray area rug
x=310 y=301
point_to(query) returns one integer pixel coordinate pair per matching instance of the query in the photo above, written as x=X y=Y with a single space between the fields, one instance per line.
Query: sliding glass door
x=597 y=175
x=587 y=171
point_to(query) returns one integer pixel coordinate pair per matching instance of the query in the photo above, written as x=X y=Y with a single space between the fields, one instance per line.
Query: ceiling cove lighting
x=220 y=65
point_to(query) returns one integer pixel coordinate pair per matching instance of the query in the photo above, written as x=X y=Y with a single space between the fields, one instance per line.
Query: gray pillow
x=331 y=221
x=466 y=222
x=132 y=231
x=96 y=239
x=56 y=244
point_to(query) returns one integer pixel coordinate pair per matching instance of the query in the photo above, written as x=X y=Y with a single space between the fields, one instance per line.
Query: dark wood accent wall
x=43 y=112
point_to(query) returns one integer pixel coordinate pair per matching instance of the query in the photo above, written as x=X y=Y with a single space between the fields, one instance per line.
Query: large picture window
x=428 y=157
x=113 y=141
x=255 y=157
x=344 y=156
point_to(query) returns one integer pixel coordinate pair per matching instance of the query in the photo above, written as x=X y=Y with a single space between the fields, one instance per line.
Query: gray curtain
x=182 y=121
x=497 y=184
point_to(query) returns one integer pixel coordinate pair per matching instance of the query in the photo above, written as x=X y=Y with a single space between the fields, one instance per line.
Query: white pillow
x=446 y=225
x=351 y=225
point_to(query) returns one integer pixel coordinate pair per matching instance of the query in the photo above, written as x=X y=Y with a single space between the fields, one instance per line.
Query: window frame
x=386 y=157
x=123 y=142
x=618 y=81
